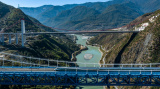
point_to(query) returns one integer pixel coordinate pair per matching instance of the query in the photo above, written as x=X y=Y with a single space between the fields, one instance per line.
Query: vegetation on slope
x=155 y=55
x=84 y=18
x=45 y=46
x=54 y=47
x=113 y=14
x=143 y=48
x=113 y=43
x=10 y=20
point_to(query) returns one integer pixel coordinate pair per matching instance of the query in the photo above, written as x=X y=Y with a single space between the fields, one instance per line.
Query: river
x=95 y=59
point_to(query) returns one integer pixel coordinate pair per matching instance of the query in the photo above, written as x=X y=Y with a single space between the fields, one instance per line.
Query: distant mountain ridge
x=35 y=11
x=49 y=15
x=84 y=18
x=69 y=18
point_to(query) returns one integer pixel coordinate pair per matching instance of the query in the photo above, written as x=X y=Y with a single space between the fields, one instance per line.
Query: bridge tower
x=23 y=31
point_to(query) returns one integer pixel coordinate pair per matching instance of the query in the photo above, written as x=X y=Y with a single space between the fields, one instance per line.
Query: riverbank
x=102 y=60
x=82 y=48
x=104 y=54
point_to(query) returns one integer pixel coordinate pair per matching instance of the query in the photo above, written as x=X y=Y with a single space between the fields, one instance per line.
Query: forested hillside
x=58 y=47
x=53 y=47
x=111 y=14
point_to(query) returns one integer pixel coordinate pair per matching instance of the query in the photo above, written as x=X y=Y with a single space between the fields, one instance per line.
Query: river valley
x=95 y=59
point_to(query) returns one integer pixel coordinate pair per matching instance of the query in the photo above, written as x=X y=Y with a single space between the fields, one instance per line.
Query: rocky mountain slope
x=142 y=47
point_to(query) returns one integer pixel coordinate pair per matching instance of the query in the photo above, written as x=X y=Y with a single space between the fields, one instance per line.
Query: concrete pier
x=3 y=39
x=16 y=39
x=23 y=32
x=10 y=39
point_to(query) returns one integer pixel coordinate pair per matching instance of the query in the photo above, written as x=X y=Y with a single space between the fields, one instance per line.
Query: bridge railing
x=12 y=60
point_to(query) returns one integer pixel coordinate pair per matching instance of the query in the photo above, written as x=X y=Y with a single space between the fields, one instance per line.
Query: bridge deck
x=114 y=78
x=73 y=73
x=88 y=76
x=72 y=32
x=83 y=71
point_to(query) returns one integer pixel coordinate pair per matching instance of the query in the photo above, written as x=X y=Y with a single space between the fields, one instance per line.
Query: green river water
x=80 y=58
x=91 y=50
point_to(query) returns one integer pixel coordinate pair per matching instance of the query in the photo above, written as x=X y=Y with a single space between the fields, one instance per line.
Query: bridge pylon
x=23 y=31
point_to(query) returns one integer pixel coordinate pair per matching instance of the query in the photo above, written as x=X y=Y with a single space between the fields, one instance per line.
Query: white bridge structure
x=23 y=33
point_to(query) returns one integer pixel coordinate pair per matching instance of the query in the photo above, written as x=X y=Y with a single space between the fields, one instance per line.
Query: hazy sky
x=36 y=3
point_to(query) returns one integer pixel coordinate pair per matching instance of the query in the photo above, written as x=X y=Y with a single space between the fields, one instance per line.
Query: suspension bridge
x=24 y=70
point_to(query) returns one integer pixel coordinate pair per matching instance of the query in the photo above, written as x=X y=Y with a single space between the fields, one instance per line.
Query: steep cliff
x=143 y=47
x=132 y=48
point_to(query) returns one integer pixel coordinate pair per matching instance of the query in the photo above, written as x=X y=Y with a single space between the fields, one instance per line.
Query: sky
x=36 y=3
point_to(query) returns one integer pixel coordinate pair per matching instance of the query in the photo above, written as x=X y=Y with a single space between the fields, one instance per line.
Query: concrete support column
x=3 y=39
x=16 y=39
x=10 y=39
x=22 y=41
x=3 y=61
x=24 y=37
x=23 y=31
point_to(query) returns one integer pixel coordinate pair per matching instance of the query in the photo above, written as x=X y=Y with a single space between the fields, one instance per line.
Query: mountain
x=118 y=15
x=145 y=5
x=143 y=47
x=72 y=17
x=53 y=47
x=4 y=9
x=9 y=15
x=137 y=8
x=10 y=20
x=49 y=13
x=33 y=12
x=45 y=12
x=60 y=46
x=84 y=18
